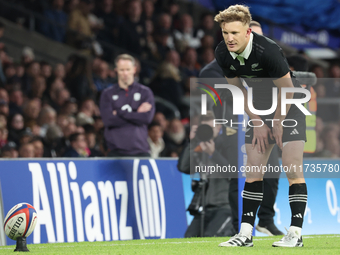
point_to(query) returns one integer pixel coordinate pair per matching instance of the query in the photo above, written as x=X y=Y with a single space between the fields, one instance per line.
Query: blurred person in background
x=167 y=84
x=173 y=57
x=59 y=71
x=3 y=136
x=62 y=120
x=19 y=70
x=56 y=28
x=207 y=42
x=101 y=77
x=155 y=140
x=9 y=150
x=79 y=80
x=86 y=112
x=46 y=69
x=10 y=72
x=38 y=88
x=38 y=147
x=32 y=71
x=26 y=150
x=16 y=100
x=70 y=61
x=164 y=22
x=221 y=150
x=51 y=91
x=207 y=25
x=31 y=113
x=2 y=29
x=61 y=97
x=15 y=127
x=98 y=124
x=175 y=138
x=160 y=118
x=318 y=70
x=47 y=116
x=70 y=107
x=331 y=140
x=186 y=36
x=333 y=84
x=78 y=146
x=54 y=141
x=148 y=10
x=319 y=126
x=71 y=5
x=4 y=109
x=110 y=19
x=3 y=121
x=26 y=136
x=4 y=61
x=132 y=32
x=159 y=48
x=126 y=109
x=207 y=56
x=190 y=66
x=91 y=140
x=4 y=95
x=27 y=56
x=173 y=8
x=79 y=22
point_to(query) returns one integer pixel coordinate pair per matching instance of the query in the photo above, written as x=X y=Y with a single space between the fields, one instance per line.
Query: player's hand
x=260 y=138
x=193 y=132
x=208 y=147
x=144 y=107
x=114 y=112
x=277 y=133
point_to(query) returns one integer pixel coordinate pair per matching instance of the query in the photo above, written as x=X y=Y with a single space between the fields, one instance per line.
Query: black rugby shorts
x=296 y=133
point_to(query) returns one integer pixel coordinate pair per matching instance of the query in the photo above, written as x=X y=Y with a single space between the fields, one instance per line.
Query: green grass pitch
x=314 y=244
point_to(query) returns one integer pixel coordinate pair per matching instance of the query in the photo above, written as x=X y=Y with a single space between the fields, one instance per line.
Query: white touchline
x=153 y=243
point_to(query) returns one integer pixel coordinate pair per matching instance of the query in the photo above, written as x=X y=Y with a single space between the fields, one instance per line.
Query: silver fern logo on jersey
x=253 y=66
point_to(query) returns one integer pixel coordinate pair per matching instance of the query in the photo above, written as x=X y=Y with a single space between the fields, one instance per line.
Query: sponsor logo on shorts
x=294 y=132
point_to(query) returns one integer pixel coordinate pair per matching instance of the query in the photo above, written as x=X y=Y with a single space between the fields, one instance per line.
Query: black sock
x=252 y=198
x=297 y=201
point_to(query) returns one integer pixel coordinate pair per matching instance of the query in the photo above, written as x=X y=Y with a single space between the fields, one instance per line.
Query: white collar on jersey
x=245 y=54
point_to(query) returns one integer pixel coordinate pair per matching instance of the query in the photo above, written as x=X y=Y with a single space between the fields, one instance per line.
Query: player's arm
x=277 y=67
x=237 y=82
x=146 y=111
x=106 y=111
x=260 y=136
x=283 y=82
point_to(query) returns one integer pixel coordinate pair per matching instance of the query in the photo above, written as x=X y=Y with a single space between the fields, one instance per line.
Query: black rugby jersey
x=265 y=63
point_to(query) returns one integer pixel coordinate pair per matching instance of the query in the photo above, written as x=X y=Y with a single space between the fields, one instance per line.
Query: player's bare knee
x=253 y=172
x=294 y=175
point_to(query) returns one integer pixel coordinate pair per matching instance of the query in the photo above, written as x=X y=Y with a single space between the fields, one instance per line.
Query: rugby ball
x=20 y=221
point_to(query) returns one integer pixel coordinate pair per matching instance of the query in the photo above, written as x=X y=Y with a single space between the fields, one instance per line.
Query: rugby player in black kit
x=260 y=61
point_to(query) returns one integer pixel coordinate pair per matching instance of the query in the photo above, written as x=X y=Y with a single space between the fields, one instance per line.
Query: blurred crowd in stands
x=46 y=109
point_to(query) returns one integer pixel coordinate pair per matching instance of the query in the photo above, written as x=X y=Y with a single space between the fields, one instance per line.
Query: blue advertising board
x=322 y=215
x=107 y=199
x=97 y=200
x=298 y=37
